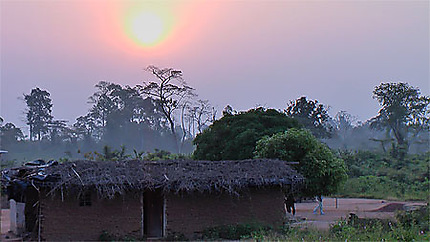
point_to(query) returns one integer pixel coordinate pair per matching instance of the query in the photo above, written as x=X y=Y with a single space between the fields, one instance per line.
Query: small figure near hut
x=289 y=203
x=320 y=205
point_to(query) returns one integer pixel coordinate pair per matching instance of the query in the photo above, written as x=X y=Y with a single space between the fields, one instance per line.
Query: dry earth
x=363 y=208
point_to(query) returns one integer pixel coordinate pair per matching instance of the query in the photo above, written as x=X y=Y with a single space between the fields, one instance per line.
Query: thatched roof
x=111 y=177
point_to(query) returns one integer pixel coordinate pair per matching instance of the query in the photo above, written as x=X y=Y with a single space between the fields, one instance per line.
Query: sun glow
x=158 y=27
x=147 y=27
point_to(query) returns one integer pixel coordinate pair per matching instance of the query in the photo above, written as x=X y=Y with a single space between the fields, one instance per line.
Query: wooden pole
x=142 y=217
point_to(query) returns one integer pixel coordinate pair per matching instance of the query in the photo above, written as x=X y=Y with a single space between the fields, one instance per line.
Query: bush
x=233 y=137
x=353 y=229
x=375 y=230
x=416 y=218
x=375 y=175
x=324 y=172
x=235 y=232
x=176 y=237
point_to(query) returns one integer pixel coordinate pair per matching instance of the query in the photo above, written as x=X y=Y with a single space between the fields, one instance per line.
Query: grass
x=410 y=226
x=381 y=176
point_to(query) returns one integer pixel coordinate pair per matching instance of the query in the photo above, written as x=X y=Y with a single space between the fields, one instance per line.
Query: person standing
x=320 y=205
x=289 y=204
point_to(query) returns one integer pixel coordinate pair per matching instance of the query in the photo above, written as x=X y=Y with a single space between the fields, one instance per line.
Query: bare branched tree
x=169 y=91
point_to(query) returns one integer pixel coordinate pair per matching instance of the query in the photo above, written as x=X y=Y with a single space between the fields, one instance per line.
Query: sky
x=239 y=53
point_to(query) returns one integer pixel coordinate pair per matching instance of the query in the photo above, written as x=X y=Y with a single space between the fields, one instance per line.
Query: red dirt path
x=363 y=208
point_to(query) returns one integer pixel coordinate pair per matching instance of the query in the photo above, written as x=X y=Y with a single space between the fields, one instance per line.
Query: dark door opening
x=153 y=207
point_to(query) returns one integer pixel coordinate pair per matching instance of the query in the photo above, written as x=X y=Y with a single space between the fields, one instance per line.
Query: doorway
x=153 y=207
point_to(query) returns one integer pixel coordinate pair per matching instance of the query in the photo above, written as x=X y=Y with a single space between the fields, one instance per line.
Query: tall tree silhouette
x=403 y=109
x=39 y=109
x=169 y=91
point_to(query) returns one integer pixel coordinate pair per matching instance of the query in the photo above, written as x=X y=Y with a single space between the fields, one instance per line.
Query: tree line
x=167 y=114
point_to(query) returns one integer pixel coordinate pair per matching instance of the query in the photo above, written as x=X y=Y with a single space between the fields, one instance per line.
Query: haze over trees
x=170 y=92
x=10 y=134
x=137 y=118
x=166 y=114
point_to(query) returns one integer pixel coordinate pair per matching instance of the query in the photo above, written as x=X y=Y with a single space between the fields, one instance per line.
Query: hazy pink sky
x=242 y=53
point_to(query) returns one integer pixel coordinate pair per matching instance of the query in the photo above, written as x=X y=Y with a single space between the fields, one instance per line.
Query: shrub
x=324 y=172
x=235 y=232
x=233 y=137
x=419 y=218
x=377 y=175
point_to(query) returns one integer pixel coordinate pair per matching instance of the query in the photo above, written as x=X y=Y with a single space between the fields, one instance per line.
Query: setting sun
x=147 y=27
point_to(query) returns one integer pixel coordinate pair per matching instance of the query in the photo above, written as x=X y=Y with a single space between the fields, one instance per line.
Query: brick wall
x=188 y=214
x=191 y=214
x=69 y=221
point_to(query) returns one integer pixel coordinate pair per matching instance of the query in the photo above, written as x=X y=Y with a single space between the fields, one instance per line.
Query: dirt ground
x=363 y=208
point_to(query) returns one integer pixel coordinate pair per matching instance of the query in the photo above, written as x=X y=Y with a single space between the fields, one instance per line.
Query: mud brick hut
x=80 y=200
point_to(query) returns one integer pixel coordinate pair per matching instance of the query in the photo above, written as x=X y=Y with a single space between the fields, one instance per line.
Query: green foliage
x=376 y=230
x=175 y=236
x=236 y=232
x=312 y=115
x=353 y=229
x=39 y=109
x=10 y=134
x=233 y=137
x=8 y=164
x=163 y=155
x=106 y=236
x=375 y=175
x=415 y=218
x=361 y=229
x=138 y=155
x=324 y=172
x=402 y=109
x=107 y=154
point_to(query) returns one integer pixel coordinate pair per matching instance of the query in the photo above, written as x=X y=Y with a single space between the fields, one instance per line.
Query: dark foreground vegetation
x=409 y=226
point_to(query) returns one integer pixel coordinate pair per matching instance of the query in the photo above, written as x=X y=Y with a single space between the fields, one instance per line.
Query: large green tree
x=324 y=172
x=312 y=115
x=233 y=137
x=403 y=110
x=39 y=112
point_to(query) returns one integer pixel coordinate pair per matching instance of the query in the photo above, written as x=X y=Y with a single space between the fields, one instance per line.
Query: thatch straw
x=116 y=177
